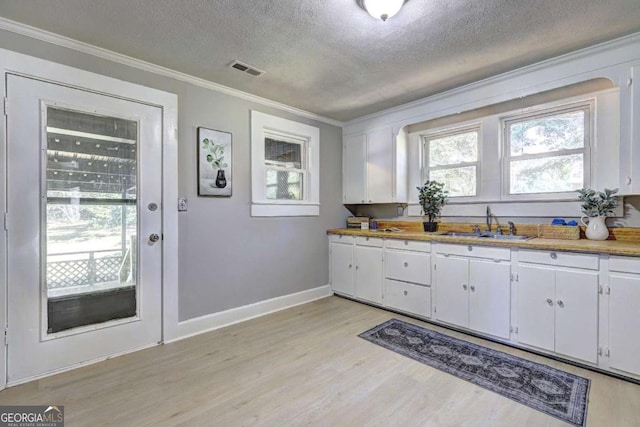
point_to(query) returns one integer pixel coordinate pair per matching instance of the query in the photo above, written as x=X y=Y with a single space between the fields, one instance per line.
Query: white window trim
x=447 y=131
x=587 y=105
x=262 y=124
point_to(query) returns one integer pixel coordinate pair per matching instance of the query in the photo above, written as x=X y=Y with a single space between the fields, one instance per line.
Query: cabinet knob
x=553 y=255
x=464 y=286
x=362 y=201
x=350 y=265
x=357 y=267
x=406 y=293
x=406 y=264
x=560 y=303
x=406 y=243
x=469 y=248
x=549 y=301
x=473 y=288
x=369 y=201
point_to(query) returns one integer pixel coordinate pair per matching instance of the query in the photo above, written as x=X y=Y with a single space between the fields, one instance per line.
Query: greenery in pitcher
x=432 y=197
x=215 y=154
x=596 y=203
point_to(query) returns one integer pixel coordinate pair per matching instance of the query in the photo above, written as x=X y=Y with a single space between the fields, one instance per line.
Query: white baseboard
x=210 y=322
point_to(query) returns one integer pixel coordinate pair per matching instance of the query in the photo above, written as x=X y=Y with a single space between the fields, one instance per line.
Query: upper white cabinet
x=374 y=167
x=558 y=306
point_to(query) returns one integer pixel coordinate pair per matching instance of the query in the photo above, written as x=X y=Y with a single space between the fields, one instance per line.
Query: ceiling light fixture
x=381 y=9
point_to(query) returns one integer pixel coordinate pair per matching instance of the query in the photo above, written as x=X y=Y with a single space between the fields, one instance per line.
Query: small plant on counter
x=432 y=197
x=596 y=203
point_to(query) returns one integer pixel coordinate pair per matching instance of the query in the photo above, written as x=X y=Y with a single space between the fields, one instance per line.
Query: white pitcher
x=596 y=227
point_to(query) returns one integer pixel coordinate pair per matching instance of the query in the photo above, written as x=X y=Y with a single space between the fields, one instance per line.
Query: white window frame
x=548 y=110
x=449 y=131
x=263 y=125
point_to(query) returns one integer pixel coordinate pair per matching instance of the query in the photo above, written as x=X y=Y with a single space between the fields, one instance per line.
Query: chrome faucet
x=488 y=219
x=512 y=228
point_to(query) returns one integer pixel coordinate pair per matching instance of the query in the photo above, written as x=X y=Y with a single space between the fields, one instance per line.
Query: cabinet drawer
x=408 y=297
x=340 y=238
x=410 y=245
x=564 y=259
x=474 y=251
x=624 y=264
x=408 y=266
x=369 y=241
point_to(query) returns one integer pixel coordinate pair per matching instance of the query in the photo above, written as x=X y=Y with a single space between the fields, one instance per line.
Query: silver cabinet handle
x=350 y=265
x=154 y=238
x=560 y=303
x=470 y=248
x=406 y=293
x=406 y=264
x=554 y=255
x=473 y=288
x=406 y=243
x=549 y=301
x=464 y=286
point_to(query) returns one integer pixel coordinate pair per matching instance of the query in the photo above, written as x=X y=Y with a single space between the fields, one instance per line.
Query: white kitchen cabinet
x=558 y=309
x=342 y=266
x=474 y=292
x=374 y=168
x=408 y=277
x=368 y=280
x=624 y=315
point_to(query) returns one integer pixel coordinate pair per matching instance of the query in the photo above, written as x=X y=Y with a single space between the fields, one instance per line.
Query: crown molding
x=69 y=43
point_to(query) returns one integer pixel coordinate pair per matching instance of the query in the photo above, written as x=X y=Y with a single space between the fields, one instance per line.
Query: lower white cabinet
x=408 y=297
x=368 y=261
x=408 y=278
x=558 y=310
x=342 y=267
x=624 y=315
x=474 y=293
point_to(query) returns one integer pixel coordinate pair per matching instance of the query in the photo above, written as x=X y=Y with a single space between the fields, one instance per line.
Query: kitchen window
x=547 y=152
x=284 y=167
x=451 y=157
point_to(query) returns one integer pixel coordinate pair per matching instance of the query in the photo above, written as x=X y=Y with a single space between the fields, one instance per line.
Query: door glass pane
x=91 y=219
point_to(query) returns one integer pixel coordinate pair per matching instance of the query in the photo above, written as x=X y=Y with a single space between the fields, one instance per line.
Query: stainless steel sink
x=486 y=235
x=460 y=234
x=508 y=237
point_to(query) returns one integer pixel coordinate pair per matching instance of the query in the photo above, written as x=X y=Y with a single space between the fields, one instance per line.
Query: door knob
x=154 y=238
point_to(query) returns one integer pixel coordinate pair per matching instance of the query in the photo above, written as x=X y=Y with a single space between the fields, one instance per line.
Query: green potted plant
x=596 y=206
x=432 y=197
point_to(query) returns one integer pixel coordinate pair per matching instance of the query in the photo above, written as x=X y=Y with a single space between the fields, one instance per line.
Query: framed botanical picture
x=214 y=163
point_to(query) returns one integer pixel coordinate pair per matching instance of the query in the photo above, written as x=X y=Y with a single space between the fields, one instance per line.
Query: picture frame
x=214 y=162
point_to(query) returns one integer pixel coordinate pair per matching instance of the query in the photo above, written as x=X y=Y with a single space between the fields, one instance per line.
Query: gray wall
x=228 y=259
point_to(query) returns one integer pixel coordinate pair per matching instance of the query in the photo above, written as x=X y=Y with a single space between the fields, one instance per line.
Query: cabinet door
x=407 y=266
x=354 y=161
x=576 y=305
x=369 y=273
x=624 y=322
x=408 y=297
x=452 y=290
x=490 y=297
x=380 y=166
x=536 y=314
x=342 y=268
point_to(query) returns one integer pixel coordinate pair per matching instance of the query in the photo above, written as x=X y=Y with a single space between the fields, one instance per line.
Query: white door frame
x=15 y=63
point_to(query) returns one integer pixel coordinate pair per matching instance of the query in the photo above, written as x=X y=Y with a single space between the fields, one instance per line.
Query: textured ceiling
x=330 y=57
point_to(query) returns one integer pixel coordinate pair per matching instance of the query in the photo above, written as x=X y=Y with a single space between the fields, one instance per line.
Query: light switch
x=182 y=204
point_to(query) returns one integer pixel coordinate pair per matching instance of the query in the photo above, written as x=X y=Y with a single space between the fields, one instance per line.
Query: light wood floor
x=301 y=366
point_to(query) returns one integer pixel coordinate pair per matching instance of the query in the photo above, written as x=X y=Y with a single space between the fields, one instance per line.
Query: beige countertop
x=612 y=247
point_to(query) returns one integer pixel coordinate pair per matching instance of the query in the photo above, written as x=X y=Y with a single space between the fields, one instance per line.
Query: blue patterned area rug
x=546 y=389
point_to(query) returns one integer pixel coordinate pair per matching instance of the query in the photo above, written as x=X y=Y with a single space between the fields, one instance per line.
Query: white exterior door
x=84 y=238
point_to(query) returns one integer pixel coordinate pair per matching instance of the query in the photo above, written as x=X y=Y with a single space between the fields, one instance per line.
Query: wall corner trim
x=69 y=43
x=210 y=322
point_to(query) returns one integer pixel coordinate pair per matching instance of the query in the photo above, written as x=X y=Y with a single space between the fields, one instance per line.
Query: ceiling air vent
x=246 y=68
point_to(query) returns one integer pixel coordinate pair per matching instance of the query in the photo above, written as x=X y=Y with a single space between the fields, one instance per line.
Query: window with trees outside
x=547 y=151
x=285 y=166
x=451 y=157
